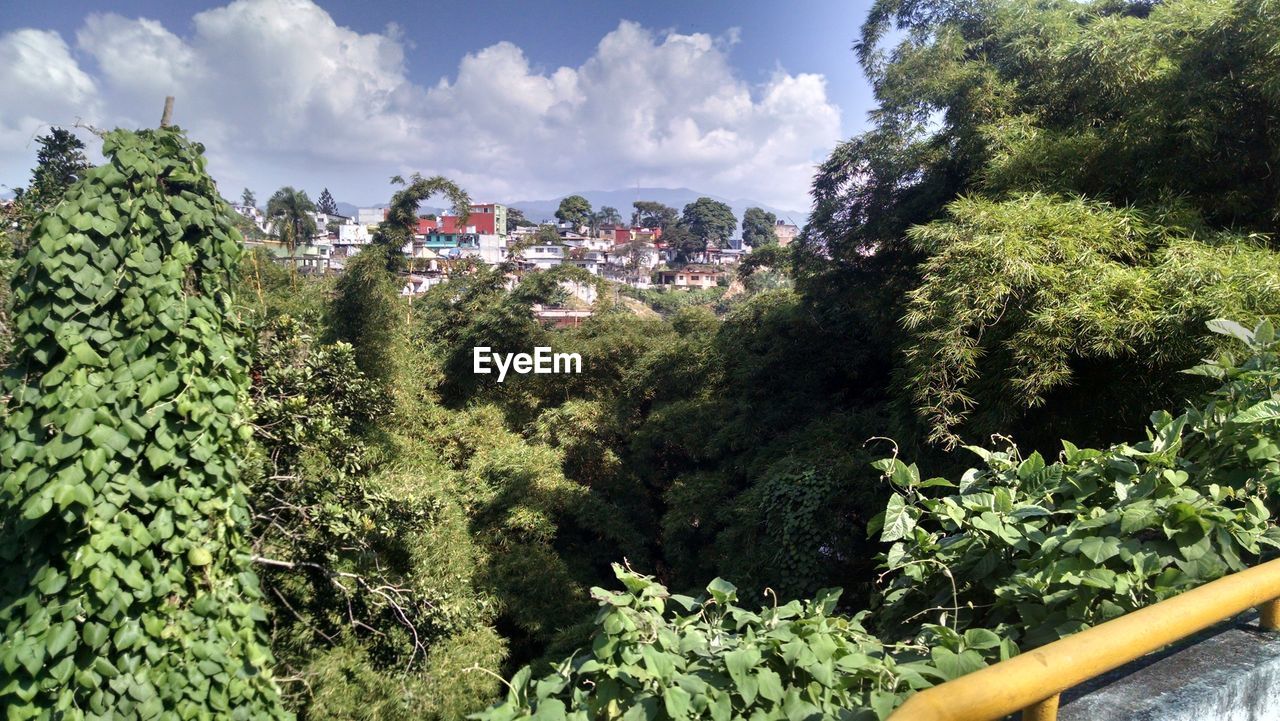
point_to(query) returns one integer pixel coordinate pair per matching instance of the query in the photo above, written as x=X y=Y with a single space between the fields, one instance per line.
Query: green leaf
x=677 y=702
x=1223 y=326
x=740 y=663
x=898 y=519
x=1263 y=412
x=1099 y=549
x=770 y=684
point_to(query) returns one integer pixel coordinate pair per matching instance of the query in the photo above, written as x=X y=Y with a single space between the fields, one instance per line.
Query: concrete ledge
x=1230 y=672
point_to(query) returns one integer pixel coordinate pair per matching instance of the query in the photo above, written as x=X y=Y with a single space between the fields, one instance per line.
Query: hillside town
x=633 y=254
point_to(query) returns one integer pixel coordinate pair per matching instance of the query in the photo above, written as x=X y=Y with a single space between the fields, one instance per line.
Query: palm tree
x=291 y=220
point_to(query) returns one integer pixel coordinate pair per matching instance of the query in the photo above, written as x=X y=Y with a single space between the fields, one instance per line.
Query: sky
x=515 y=100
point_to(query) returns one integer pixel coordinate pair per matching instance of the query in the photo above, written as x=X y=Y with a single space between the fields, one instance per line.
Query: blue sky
x=517 y=100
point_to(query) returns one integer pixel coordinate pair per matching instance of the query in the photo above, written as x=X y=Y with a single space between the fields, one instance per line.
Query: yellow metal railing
x=1031 y=682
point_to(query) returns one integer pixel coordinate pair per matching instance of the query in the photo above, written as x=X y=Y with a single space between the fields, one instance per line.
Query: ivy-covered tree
x=127 y=591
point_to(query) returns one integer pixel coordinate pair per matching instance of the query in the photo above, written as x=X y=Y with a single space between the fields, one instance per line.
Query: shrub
x=661 y=656
x=1039 y=550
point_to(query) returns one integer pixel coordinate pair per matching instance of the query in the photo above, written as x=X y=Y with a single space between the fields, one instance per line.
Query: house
x=370 y=216
x=689 y=277
x=354 y=234
x=482 y=219
x=418 y=284
x=558 y=318
x=310 y=258
x=622 y=234
x=255 y=215
x=544 y=256
x=785 y=231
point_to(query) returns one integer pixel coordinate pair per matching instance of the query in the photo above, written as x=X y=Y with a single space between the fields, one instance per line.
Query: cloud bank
x=281 y=94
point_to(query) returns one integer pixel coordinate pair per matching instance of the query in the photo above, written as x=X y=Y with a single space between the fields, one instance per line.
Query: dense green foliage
x=1135 y=127
x=574 y=210
x=670 y=301
x=1042 y=549
x=127 y=591
x=657 y=655
x=1020 y=553
x=758 y=228
x=1026 y=293
x=1051 y=202
x=710 y=221
x=290 y=212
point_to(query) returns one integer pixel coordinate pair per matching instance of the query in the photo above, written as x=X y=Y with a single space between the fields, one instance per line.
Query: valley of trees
x=231 y=490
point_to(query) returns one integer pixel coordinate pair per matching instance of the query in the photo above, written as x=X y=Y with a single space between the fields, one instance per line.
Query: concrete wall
x=1230 y=672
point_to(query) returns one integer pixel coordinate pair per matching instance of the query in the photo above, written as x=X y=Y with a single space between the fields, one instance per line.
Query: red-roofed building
x=484 y=219
x=626 y=235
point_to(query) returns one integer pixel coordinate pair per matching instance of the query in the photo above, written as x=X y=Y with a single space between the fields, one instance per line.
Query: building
x=256 y=216
x=370 y=216
x=482 y=219
x=488 y=218
x=689 y=277
x=543 y=256
x=558 y=318
x=785 y=231
x=353 y=234
x=621 y=235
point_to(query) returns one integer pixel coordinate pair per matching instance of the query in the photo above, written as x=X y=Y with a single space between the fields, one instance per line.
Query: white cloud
x=279 y=93
x=39 y=81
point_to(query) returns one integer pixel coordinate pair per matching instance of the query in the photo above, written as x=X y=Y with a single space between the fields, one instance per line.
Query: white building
x=353 y=234
x=544 y=256
x=369 y=216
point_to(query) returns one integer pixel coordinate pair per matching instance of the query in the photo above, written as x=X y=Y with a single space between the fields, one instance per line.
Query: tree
x=650 y=214
x=710 y=220
x=248 y=199
x=60 y=162
x=401 y=224
x=605 y=216
x=326 y=204
x=516 y=219
x=291 y=220
x=574 y=210
x=547 y=235
x=366 y=311
x=130 y=455
x=683 y=241
x=758 y=228
x=1064 y=117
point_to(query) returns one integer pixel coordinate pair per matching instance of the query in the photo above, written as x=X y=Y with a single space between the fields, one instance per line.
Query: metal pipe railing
x=1031 y=682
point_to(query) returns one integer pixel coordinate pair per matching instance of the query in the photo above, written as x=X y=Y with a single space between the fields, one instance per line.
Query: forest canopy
x=1062 y=218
